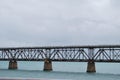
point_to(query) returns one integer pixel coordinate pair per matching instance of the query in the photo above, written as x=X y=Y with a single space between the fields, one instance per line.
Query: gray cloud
x=59 y=22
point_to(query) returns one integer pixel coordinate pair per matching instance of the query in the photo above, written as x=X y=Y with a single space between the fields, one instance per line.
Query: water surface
x=61 y=70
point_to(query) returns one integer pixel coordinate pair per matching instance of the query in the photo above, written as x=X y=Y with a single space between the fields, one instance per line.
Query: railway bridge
x=89 y=54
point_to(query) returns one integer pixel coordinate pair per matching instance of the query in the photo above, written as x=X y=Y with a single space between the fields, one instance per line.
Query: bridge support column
x=47 y=65
x=91 y=67
x=12 y=64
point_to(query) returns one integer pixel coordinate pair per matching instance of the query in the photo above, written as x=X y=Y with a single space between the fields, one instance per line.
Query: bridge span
x=89 y=54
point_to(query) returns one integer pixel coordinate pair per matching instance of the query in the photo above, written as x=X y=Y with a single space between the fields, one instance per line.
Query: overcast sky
x=59 y=22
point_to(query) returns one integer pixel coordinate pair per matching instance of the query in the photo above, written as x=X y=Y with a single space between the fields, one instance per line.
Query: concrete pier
x=91 y=67
x=12 y=64
x=47 y=65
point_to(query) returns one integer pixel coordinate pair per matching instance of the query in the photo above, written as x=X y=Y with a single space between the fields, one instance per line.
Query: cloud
x=59 y=22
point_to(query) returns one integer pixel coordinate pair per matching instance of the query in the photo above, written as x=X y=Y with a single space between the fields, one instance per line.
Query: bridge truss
x=64 y=53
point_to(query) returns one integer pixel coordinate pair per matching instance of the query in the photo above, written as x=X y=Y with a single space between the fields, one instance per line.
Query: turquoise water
x=62 y=70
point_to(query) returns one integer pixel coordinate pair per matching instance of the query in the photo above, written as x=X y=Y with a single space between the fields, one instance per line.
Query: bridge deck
x=57 y=47
x=64 y=60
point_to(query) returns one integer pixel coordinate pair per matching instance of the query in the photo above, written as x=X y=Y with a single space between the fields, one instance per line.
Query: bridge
x=89 y=54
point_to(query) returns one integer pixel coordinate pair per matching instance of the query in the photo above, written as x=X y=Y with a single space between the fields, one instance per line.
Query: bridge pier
x=47 y=65
x=91 y=67
x=12 y=64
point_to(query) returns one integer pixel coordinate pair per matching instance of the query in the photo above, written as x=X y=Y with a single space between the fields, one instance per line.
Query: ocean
x=61 y=71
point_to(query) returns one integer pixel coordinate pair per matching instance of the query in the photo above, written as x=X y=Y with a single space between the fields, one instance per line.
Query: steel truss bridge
x=90 y=54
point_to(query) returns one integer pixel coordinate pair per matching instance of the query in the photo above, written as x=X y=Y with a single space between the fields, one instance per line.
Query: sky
x=59 y=22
